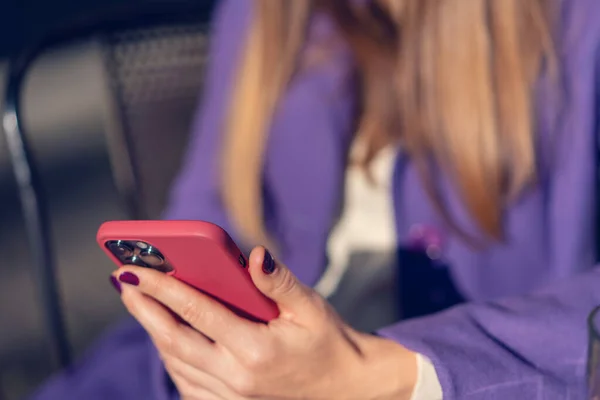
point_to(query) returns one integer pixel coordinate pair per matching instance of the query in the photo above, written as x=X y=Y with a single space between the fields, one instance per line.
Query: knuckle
x=172 y=370
x=167 y=361
x=166 y=342
x=257 y=358
x=153 y=287
x=244 y=385
x=286 y=284
x=185 y=389
x=320 y=308
x=323 y=309
x=318 y=301
x=190 y=312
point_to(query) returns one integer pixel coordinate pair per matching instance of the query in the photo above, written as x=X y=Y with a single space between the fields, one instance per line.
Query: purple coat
x=523 y=333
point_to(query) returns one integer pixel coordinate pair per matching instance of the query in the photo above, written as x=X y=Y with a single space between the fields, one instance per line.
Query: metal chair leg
x=36 y=220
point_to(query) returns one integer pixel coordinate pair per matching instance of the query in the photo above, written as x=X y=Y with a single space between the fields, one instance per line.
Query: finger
x=170 y=336
x=197 y=309
x=278 y=283
x=194 y=378
x=187 y=391
x=198 y=394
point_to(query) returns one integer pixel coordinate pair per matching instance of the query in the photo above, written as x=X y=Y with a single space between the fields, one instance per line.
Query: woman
x=488 y=109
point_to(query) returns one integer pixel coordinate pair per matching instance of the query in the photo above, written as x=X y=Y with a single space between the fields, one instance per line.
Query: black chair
x=153 y=57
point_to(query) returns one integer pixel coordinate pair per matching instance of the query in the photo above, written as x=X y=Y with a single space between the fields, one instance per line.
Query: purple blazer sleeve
x=123 y=364
x=534 y=346
x=530 y=347
x=195 y=194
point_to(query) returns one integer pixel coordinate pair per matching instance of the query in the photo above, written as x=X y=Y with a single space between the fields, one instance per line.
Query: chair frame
x=25 y=167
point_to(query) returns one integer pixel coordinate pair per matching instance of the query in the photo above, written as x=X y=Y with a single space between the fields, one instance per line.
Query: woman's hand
x=306 y=353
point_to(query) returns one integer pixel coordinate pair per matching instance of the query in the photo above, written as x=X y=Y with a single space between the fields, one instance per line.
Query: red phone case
x=202 y=255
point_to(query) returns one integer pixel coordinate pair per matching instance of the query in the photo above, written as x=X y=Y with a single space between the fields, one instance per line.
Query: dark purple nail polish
x=268 y=266
x=129 y=278
x=115 y=283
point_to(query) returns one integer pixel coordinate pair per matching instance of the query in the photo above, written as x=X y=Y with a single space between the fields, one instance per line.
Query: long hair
x=451 y=80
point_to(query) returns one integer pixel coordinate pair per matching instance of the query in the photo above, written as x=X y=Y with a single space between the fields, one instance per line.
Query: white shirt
x=366 y=226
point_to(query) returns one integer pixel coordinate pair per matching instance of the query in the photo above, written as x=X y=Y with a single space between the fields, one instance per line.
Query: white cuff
x=428 y=386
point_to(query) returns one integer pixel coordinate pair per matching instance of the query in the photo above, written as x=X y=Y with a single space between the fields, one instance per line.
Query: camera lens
x=136 y=260
x=153 y=259
x=120 y=249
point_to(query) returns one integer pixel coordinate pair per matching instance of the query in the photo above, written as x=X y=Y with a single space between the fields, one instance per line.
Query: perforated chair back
x=156 y=76
x=154 y=56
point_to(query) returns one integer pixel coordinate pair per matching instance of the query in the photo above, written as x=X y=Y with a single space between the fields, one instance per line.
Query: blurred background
x=86 y=94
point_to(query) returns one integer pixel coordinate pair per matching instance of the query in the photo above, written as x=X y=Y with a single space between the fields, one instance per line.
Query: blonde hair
x=461 y=98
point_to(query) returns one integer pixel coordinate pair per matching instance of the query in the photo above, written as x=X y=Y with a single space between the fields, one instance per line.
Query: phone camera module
x=136 y=260
x=154 y=259
x=120 y=249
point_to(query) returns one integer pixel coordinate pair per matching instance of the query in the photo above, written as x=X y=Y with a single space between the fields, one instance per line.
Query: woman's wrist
x=387 y=371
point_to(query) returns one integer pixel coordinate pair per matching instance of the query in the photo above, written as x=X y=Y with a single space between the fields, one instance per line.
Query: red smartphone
x=198 y=253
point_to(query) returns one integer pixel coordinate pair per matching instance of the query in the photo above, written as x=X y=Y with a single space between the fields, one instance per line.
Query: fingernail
x=129 y=278
x=268 y=263
x=115 y=283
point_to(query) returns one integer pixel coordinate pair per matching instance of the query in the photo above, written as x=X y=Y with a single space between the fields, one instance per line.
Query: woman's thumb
x=276 y=281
